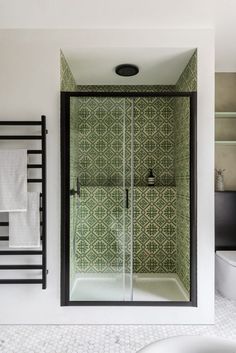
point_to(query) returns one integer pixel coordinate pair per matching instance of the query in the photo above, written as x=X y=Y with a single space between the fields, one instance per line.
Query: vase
x=220 y=182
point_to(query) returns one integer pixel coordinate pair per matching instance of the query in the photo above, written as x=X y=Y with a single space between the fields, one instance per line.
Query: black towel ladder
x=43 y=211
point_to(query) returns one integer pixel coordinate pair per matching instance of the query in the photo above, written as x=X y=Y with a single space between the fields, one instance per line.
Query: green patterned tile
x=67 y=79
x=188 y=79
x=125 y=88
x=106 y=230
x=150 y=235
x=186 y=82
x=68 y=84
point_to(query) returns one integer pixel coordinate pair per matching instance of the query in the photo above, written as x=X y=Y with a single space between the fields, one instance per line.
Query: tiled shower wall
x=187 y=82
x=67 y=80
x=102 y=124
x=154 y=210
x=100 y=238
x=103 y=127
x=68 y=84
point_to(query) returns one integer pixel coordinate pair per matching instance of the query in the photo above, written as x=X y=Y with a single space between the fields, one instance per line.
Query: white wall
x=30 y=84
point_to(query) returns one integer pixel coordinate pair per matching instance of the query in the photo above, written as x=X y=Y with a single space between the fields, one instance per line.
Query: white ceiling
x=157 y=66
x=127 y=14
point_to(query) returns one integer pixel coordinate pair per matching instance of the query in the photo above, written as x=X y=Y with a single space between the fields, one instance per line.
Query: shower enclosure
x=125 y=242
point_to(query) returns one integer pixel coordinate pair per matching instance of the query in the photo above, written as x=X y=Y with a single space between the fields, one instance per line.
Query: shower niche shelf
x=5 y=251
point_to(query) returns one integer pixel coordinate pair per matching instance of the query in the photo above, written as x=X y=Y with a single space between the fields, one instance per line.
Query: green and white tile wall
x=126 y=88
x=100 y=146
x=100 y=233
x=68 y=84
x=67 y=80
x=187 y=82
x=154 y=229
x=154 y=208
x=154 y=140
x=99 y=140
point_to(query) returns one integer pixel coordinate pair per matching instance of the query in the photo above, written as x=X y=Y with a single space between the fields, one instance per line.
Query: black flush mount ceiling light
x=127 y=70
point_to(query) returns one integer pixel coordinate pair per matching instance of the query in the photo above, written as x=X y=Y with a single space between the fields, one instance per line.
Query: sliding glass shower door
x=100 y=172
x=129 y=184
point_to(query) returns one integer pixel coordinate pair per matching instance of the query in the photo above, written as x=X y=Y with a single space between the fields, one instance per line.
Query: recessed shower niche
x=125 y=239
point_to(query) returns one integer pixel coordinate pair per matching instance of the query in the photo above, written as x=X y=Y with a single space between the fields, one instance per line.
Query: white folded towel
x=24 y=227
x=13 y=180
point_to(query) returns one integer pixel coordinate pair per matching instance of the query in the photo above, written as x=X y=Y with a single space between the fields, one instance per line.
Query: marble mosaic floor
x=109 y=339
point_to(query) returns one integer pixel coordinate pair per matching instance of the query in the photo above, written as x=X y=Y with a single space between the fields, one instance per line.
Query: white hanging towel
x=24 y=227
x=13 y=180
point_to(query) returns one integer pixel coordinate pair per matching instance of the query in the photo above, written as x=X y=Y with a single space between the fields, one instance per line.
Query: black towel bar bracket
x=43 y=212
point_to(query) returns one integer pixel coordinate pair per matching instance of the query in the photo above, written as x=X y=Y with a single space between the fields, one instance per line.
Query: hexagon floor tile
x=109 y=338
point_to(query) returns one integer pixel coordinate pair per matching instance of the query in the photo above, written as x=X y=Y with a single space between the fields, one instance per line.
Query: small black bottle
x=151 y=178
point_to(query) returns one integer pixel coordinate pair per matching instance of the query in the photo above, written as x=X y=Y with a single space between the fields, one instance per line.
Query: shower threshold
x=116 y=287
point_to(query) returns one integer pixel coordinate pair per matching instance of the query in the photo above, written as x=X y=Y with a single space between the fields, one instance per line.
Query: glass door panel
x=98 y=168
x=128 y=186
x=130 y=236
x=161 y=199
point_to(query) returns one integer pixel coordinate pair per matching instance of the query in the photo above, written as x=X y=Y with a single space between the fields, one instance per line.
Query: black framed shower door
x=65 y=198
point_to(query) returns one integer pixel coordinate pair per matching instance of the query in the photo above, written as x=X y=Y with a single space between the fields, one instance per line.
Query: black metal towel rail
x=43 y=251
x=20 y=137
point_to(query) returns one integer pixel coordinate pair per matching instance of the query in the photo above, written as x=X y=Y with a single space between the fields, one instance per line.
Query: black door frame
x=65 y=198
